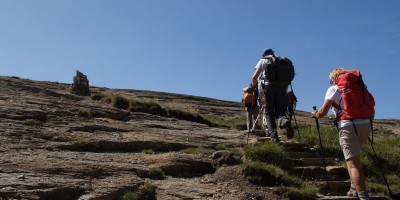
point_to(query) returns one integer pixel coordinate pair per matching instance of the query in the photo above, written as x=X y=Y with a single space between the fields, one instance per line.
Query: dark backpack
x=358 y=103
x=280 y=71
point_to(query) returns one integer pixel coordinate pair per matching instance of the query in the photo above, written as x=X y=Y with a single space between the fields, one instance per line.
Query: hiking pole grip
x=316 y=119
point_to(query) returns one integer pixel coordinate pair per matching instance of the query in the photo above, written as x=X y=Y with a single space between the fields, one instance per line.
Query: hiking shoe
x=289 y=129
x=352 y=192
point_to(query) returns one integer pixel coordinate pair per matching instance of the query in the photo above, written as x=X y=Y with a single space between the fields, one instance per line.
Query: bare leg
x=355 y=172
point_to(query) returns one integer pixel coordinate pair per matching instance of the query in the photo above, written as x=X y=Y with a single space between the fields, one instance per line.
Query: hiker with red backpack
x=278 y=72
x=353 y=107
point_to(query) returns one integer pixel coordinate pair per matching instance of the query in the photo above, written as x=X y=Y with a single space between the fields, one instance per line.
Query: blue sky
x=204 y=48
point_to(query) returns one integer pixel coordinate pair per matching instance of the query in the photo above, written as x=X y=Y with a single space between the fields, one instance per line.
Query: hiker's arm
x=324 y=109
x=255 y=76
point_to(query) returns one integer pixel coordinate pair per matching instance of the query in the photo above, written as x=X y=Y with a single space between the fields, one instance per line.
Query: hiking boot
x=289 y=129
x=352 y=192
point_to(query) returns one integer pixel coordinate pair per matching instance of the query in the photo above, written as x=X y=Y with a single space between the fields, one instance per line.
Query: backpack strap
x=355 y=128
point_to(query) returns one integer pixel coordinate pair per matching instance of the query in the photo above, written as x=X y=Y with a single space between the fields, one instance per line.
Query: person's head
x=267 y=52
x=333 y=74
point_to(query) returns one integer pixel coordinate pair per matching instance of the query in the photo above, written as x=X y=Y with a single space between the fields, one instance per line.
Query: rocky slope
x=56 y=145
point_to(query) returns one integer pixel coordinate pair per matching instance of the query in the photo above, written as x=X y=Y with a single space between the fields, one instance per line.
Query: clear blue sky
x=203 y=47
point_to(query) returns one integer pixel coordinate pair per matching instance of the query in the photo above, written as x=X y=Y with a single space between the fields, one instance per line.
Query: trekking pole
x=297 y=126
x=294 y=115
x=255 y=122
x=248 y=135
x=377 y=162
x=322 y=154
x=252 y=128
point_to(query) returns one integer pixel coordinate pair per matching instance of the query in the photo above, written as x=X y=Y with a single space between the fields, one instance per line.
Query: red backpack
x=358 y=103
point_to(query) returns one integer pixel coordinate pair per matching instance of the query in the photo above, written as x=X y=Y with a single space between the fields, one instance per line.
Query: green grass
x=269 y=175
x=140 y=105
x=329 y=138
x=199 y=150
x=98 y=96
x=120 y=102
x=233 y=123
x=146 y=106
x=145 y=192
x=268 y=152
x=305 y=193
x=387 y=147
x=388 y=160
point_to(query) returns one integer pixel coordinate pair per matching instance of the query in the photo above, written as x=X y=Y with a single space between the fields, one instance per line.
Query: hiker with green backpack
x=353 y=107
x=278 y=73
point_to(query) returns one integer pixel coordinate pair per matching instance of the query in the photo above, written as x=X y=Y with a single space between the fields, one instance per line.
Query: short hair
x=268 y=52
x=334 y=73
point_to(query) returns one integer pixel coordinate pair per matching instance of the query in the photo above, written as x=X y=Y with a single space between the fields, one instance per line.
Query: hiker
x=276 y=99
x=353 y=134
x=292 y=104
x=261 y=100
x=249 y=101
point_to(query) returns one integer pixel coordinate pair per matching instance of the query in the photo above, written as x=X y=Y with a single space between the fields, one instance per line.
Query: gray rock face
x=57 y=145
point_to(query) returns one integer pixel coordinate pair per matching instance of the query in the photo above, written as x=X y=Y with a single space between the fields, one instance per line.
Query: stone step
x=298 y=155
x=337 y=170
x=297 y=149
x=265 y=139
x=317 y=173
x=260 y=133
x=350 y=198
x=309 y=161
x=294 y=144
x=336 y=188
x=318 y=161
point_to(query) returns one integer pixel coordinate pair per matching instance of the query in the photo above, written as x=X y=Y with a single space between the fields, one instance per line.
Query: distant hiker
x=279 y=73
x=292 y=104
x=249 y=101
x=354 y=120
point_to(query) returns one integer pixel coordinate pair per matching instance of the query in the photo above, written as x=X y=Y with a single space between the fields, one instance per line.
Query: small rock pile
x=80 y=86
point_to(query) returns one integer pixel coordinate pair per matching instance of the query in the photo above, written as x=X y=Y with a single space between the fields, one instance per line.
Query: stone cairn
x=80 y=86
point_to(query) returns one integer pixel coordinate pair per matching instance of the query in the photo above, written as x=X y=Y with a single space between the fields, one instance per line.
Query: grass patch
x=199 y=150
x=388 y=152
x=120 y=102
x=189 y=117
x=387 y=147
x=329 y=137
x=238 y=123
x=268 y=152
x=145 y=192
x=148 y=151
x=155 y=173
x=98 y=97
x=269 y=175
x=305 y=193
x=139 y=105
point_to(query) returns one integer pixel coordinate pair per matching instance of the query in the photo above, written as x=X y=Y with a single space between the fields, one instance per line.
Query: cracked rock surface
x=56 y=145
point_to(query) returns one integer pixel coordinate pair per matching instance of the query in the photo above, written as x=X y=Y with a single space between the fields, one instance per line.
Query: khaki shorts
x=352 y=141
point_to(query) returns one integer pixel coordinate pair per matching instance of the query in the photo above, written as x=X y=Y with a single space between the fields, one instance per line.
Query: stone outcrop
x=80 y=85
